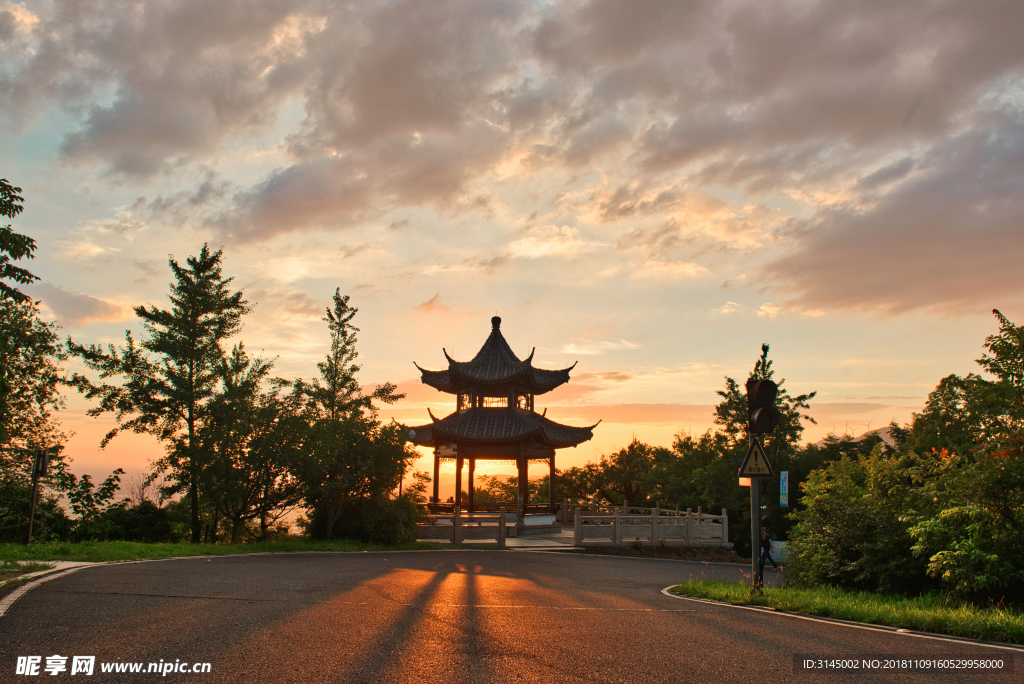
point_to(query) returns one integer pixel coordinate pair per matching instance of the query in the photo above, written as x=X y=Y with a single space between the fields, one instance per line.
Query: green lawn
x=930 y=613
x=123 y=551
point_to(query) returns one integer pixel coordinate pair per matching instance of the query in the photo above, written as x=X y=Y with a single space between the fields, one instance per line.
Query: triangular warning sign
x=755 y=463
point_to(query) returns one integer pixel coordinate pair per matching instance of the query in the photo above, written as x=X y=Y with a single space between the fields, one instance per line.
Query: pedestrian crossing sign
x=755 y=463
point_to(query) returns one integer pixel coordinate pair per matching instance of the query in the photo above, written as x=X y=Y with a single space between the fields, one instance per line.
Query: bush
x=377 y=520
x=51 y=523
x=144 y=522
x=974 y=545
x=854 y=529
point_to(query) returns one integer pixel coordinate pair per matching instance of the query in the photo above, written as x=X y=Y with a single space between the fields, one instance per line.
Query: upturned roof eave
x=454 y=379
x=445 y=430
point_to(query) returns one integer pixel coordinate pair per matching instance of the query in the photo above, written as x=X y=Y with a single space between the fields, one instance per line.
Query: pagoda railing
x=457 y=527
x=491 y=507
x=628 y=525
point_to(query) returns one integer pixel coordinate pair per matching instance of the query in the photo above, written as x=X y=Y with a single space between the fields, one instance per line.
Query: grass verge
x=122 y=551
x=931 y=613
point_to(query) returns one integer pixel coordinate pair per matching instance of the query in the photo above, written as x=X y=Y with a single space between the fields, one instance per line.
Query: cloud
x=840 y=409
x=604 y=376
x=433 y=305
x=768 y=309
x=545 y=241
x=652 y=268
x=644 y=414
x=75 y=309
x=727 y=308
x=418 y=393
x=286 y=303
x=679 y=127
x=948 y=239
x=595 y=347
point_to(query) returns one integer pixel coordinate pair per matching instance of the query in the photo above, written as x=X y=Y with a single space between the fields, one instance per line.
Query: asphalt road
x=441 y=616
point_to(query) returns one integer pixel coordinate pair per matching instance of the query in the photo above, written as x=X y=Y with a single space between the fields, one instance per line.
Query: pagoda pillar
x=458 y=482
x=437 y=476
x=470 y=487
x=551 y=482
x=523 y=485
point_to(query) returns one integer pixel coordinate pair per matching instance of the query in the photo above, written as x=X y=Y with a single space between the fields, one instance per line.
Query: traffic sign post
x=755 y=524
x=39 y=467
x=762 y=418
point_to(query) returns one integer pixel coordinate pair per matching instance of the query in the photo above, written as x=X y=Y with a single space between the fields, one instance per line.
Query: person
x=766 y=550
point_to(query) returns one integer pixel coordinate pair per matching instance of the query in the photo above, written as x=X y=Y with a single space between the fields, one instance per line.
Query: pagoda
x=494 y=418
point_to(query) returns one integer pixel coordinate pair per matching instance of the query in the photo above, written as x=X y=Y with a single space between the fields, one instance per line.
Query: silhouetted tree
x=170 y=378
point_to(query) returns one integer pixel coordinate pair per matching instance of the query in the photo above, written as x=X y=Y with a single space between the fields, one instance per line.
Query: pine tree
x=170 y=378
x=13 y=246
x=348 y=455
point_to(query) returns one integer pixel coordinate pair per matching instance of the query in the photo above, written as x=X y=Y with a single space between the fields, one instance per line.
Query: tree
x=253 y=435
x=170 y=378
x=731 y=412
x=952 y=418
x=337 y=393
x=578 y=482
x=32 y=360
x=622 y=473
x=348 y=456
x=13 y=246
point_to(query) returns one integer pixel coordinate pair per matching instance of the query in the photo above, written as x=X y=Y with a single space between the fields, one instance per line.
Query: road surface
x=433 y=616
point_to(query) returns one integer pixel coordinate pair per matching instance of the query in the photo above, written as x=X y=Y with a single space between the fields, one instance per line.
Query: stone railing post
x=689 y=526
x=617 y=529
x=725 y=527
x=565 y=511
x=577 y=528
x=501 y=527
x=456 y=526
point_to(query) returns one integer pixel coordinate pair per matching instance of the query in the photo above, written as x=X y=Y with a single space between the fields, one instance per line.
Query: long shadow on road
x=449 y=616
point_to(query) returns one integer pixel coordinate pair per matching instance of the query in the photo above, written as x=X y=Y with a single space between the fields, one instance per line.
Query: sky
x=650 y=189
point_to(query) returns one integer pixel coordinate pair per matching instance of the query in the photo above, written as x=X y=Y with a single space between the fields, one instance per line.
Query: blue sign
x=784 y=489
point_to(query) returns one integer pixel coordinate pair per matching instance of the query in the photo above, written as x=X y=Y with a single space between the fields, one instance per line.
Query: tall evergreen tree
x=348 y=455
x=170 y=378
x=13 y=246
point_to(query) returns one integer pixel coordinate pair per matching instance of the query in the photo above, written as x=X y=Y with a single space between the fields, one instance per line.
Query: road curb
x=46 y=576
x=850 y=623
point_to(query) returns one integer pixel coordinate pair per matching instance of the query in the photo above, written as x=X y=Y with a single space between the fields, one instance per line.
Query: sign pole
x=35 y=487
x=39 y=466
x=755 y=528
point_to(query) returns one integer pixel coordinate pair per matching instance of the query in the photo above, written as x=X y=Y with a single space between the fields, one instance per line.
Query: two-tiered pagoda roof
x=496 y=373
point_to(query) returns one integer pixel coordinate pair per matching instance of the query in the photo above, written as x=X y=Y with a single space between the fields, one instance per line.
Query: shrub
x=854 y=529
x=144 y=522
x=377 y=520
x=974 y=545
x=51 y=523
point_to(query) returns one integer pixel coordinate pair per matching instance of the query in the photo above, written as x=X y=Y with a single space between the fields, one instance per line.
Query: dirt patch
x=711 y=554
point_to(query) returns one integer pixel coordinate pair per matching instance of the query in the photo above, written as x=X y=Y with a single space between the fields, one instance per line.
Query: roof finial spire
x=496 y=321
